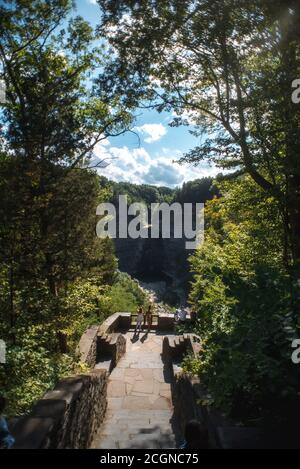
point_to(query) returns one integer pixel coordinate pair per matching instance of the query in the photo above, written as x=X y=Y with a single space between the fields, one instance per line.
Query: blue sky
x=149 y=160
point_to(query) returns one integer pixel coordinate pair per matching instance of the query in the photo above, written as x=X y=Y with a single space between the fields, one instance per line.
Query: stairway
x=140 y=410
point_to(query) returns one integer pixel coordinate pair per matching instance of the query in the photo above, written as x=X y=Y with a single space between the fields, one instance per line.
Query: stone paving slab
x=140 y=410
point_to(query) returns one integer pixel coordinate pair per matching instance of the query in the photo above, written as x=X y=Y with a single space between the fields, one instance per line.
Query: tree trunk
x=11 y=301
x=62 y=342
x=290 y=118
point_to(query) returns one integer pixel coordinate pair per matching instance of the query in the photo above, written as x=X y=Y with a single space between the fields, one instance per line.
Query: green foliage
x=31 y=370
x=196 y=191
x=55 y=273
x=227 y=67
x=126 y=295
x=247 y=307
x=35 y=362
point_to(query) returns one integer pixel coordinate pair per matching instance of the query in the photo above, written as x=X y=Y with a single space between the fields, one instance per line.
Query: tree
x=56 y=276
x=51 y=124
x=227 y=67
x=247 y=307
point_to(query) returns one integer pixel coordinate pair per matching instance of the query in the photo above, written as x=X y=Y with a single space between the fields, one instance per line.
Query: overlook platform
x=139 y=401
x=134 y=395
x=126 y=399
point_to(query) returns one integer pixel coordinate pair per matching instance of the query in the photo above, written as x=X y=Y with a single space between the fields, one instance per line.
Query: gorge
x=161 y=265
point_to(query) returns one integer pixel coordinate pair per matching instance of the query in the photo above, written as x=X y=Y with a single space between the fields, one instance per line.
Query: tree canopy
x=227 y=67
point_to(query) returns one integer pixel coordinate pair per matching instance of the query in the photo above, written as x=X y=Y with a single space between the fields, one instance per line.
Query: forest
x=226 y=70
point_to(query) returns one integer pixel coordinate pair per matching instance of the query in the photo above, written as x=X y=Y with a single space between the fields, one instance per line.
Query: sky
x=150 y=158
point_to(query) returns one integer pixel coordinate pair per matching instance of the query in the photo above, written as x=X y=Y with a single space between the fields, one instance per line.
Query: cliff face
x=157 y=260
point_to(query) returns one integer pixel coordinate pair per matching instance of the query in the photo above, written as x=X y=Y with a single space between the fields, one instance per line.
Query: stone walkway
x=140 y=411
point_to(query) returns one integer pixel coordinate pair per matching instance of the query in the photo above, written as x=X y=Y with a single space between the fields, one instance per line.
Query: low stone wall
x=122 y=321
x=187 y=392
x=112 y=346
x=87 y=347
x=67 y=417
x=118 y=344
x=176 y=347
x=189 y=403
x=70 y=415
x=165 y=322
x=116 y=322
x=188 y=396
x=99 y=341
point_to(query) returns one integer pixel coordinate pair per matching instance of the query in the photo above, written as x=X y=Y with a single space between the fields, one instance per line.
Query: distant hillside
x=199 y=190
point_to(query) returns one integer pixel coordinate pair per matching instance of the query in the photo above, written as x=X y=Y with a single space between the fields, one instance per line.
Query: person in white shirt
x=180 y=315
x=139 y=320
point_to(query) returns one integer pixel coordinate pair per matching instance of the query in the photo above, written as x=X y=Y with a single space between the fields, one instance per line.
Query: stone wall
x=186 y=397
x=70 y=415
x=87 y=347
x=189 y=398
x=165 y=322
x=100 y=341
x=115 y=322
x=112 y=347
x=67 y=417
x=121 y=321
x=187 y=392
x=174 y=348
x=119 y=347
x=189 y=395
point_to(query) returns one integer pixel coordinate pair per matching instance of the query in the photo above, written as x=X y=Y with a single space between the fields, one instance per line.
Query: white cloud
x=93 y=2
x=137 y=166
x=163 y=172
x=153 y=132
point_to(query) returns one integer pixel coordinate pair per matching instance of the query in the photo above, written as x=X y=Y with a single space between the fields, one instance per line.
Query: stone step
x=140 y=410
x=171 y=342
x=104 y=337
x=124 y=413
x=103 y=364
x=136 y=442
x=149 y=430
x=176 y=341
x=135 y=424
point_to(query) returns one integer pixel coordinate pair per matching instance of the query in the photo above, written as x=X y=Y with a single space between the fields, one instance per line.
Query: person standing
x=180 y=315
x=139 y=320
x=148 y=317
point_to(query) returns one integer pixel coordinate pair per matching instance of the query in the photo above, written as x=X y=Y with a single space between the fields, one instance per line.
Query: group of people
x=143 y=318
